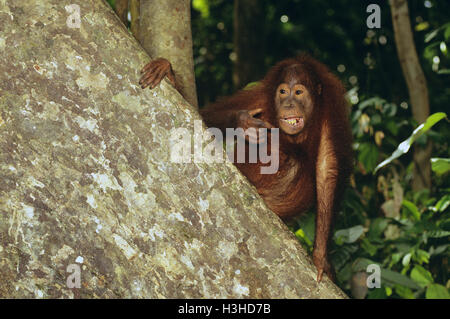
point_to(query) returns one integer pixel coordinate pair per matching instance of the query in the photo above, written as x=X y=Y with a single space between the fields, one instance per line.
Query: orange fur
x=314 y=164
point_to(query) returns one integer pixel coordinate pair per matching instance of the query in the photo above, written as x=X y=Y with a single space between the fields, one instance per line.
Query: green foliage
x=406 y=233
x=112 y=3
x=349 y=235
x=440 y=166
x=404 y=146
x=436 y=291
x=381 y=221
x=202 y=6
x=251 y=85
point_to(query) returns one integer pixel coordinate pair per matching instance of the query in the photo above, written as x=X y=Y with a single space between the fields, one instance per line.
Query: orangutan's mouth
x=294 y=122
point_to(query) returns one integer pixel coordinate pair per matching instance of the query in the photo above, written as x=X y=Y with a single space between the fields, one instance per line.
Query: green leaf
x=404 y=292
x=392 y=126
x=429 y=36
x=377 y=293
x=438 y=250
x=389 y=109
x=390 y=277
x=443 y=203
x=202 y=6
x=301 y=235
x=412 y=208
x=375 y=119
x=395 y=258
x=342 y=255
x=447 y=31
x=404 y=146
x=360 y=264
x=444 y=71
x=406 y=259
x=308 y=224
x=438 y=233
x=372 y=101
x=443 y=48
x=430 y=122
x=349 y=235
x=344 y=274
x=440 y=165
x=388 y=291
x=421 y=276
x=377 y=227
x=422 y=26
x=422 y=256
x=436 y=291
x=431 y=50
x=251 y=85
x=368 y=247
x=368 y=156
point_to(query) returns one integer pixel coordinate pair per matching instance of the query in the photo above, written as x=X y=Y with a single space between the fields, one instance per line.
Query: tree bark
x=417 y=87
x=87 y=178
x=165 y=31
x=249 y=42
x=121 y=8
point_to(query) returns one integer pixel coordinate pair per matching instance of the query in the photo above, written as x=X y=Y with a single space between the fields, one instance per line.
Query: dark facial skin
x=294 y=105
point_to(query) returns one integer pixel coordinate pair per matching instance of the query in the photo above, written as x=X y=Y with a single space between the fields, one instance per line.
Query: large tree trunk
x=249 y=42
x=165 y=31
x=86 y=177
x=417 y=87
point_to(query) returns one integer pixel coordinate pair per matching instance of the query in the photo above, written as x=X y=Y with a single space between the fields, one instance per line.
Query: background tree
x=121 y=9
x=135 y=12
x=249 y=41
x=165 y=31
x=417 y=87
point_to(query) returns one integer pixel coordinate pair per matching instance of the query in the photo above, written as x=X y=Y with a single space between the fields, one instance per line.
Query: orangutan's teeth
x=291 y=122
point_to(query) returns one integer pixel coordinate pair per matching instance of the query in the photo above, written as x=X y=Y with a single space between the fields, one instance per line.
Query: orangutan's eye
x=298 y=92
x=282 y=91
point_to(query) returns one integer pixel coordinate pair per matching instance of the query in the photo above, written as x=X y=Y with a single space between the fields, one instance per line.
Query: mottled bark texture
x=165 y=32
x=417 y=88
x=86 y=177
